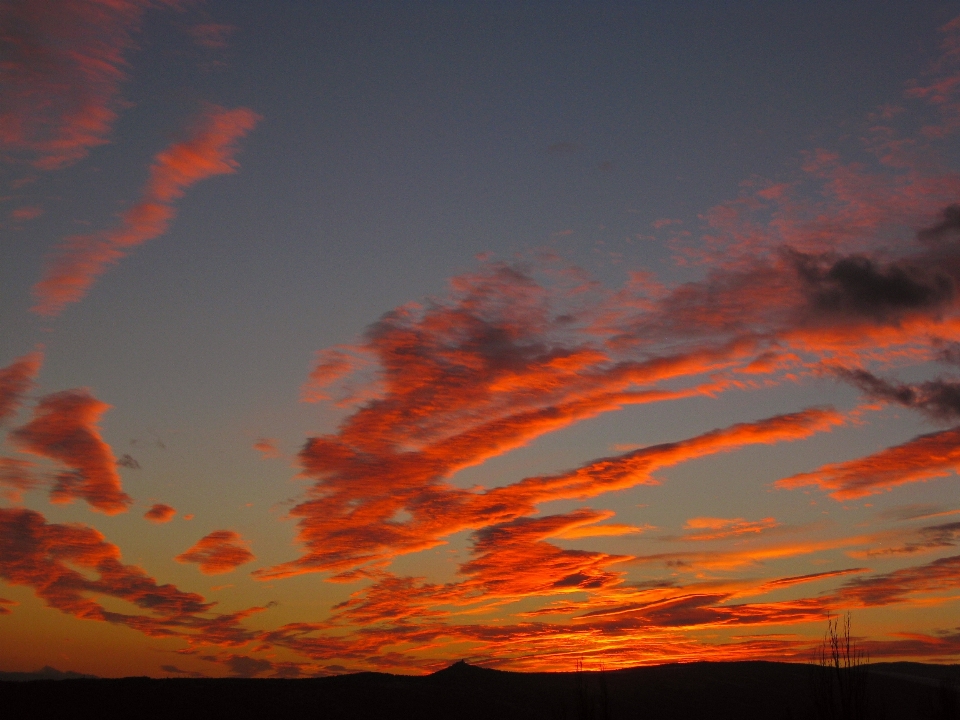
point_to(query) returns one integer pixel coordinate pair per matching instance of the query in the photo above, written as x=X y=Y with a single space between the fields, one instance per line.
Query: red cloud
x=160 y=513
x=64 y=428
x=3 y=603
x=15 y=380
x=922 y=458
x=41 y=555
x=219 y=552
x=63 y=65
x=36 y=554
x=16 y=477
x=208 y=151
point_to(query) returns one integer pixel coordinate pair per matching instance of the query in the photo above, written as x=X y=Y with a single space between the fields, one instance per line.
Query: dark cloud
x=938 y=399
x=128 y=461
x=860 y=287
x=948 y=227
x=932 y=537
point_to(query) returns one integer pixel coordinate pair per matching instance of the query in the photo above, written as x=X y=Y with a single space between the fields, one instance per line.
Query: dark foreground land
x=741 y=691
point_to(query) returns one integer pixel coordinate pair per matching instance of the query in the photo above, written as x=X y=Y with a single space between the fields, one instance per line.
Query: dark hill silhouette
x=738 y=691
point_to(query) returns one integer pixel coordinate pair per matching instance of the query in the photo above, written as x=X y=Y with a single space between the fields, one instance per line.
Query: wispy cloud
x=208 y=150
x=15 y=380
x=64 y=62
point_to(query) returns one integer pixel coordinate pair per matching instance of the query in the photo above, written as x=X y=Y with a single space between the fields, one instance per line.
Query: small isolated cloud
x=212 y=36
x=267 y=447
x=26 y=213
x=219 y=552
x=128 y=461
x=160 y=513
x=64 y=429
x=5 y=606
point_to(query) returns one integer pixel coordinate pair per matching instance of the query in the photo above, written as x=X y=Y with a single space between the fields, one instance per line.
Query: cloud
x=126 y=460
x=938 y=399
x=858 y=286
x=80 y=260
x=16 y=478
x=63 y=66
x=812 y=577
x=923 y=458
x=23 y=214
x=174 y=670
x=39 y=554
x=15 y=380
x=938 y=576
x=5 y=606
x=64 y=429
x=267 y=447
x=925 y=539
x=160 y=513
x=708 y=528
x=219 y=552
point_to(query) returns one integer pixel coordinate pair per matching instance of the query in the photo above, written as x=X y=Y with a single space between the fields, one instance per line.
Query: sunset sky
x=343 y=336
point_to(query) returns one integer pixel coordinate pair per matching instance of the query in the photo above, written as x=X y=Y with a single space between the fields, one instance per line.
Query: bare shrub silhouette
x=840 y=680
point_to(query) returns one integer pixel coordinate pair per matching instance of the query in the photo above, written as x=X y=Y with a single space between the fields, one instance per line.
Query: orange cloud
x=219 y=552
x=64 y=428
x=63 y=66
x=15 y=380
x=706 y=528
x=923 y=458
x=207 y=151
x=160 y=513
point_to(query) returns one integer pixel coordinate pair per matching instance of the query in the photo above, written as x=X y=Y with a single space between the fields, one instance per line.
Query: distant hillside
x=718 y=691
x=46 y=673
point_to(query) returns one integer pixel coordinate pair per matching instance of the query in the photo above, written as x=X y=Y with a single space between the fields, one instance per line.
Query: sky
x=373 y=336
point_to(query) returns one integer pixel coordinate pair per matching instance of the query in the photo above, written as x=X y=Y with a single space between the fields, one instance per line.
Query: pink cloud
x=207 y=151
x=26 y=213
x=64 y=429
